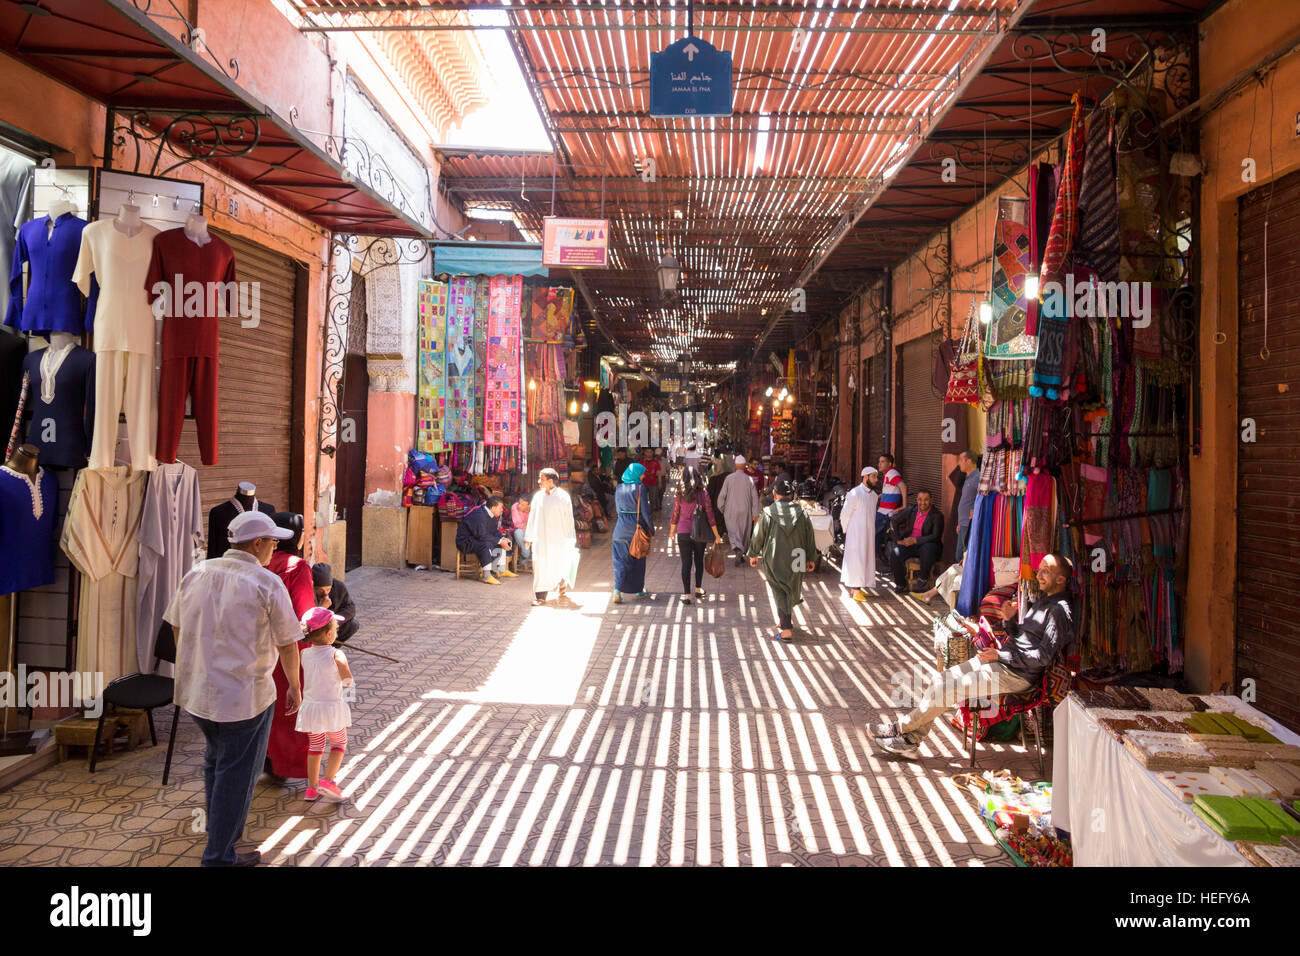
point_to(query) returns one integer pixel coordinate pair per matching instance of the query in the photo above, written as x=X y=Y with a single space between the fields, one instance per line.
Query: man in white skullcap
x=738 y=502
x=858 y=519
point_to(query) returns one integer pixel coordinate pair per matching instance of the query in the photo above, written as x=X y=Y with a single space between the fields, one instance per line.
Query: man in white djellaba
x=551 y=535
x=858 y=518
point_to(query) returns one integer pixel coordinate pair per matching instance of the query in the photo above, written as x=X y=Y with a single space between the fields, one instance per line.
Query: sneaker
x=490 y=579
x=507 y=573
x=881 y=731
x=311 y=794
x=330 y=791
x=699 y=592
x=899 y=747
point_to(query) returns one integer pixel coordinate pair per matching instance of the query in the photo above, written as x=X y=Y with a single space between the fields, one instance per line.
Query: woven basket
x=952 y=640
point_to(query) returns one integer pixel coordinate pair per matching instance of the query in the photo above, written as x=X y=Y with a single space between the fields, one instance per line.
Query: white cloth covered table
x=1117 y=812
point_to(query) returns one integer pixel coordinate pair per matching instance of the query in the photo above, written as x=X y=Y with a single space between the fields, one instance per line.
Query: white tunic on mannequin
x=551 y=534
x=170 y=530
x=101 y=538
x=858 y=518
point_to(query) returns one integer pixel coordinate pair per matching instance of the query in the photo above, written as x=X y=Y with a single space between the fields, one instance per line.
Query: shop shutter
x=873 y=428
x=255 y=388
x=1268 y=469
x=922 y=413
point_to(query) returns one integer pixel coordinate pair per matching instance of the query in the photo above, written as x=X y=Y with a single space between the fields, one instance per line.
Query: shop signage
x=575 y=243
x=690 y=78
x=670 y=385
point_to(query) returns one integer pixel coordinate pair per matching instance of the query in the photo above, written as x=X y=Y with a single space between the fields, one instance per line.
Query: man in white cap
x=738 y=502
x=233 y=620
x=858 y=519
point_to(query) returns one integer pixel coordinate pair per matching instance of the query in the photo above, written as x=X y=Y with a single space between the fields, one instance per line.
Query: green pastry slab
x=1252 y=830
x=1248 y=730
x=1272 y=816
x=1232 y=818
x=1210 y=724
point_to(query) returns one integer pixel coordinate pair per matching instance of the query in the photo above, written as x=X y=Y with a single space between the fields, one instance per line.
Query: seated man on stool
x=480 y=534
x=919 y=530
x=1048 y=629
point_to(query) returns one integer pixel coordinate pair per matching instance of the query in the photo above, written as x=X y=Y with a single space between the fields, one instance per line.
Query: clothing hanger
x=63 y=205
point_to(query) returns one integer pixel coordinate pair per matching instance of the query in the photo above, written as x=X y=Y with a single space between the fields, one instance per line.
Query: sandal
x=618 y=598
x=686 y=599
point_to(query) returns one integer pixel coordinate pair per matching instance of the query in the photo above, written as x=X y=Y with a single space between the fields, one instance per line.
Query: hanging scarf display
x=1012 y=260
x=502 y=405
x=1039 y=522
x=482 y=288
x=550 y=313
x=430 y=396
x=1042 y=204
x=977 y=572
x=458 y=418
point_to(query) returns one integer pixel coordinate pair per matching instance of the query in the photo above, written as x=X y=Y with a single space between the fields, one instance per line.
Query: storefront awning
x=488 y=259
x=116 y=54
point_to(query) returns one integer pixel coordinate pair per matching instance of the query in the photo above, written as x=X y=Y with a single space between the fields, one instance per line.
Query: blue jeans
x=232 y=763
x=525 y=552
x=961 y=542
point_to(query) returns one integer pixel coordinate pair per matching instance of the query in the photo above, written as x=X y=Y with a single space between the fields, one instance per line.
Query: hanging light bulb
x=573 y=407
x=986 y=313
x=532 y=385
x=789 y=399
x=1031 y=286
x=585 y=408
x=769 y=392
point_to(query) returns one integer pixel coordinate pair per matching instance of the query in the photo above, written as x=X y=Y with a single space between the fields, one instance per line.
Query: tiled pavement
x=644 y=733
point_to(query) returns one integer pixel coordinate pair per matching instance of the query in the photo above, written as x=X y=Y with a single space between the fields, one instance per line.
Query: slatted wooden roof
x=827 y=170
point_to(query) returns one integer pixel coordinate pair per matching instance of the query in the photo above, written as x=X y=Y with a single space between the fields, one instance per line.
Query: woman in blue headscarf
x=633 y=504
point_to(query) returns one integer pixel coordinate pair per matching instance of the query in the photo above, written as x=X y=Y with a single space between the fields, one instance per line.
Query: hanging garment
x=171 y=528
x=101 y=536
x=28 y=511
x=858 y=518
x=1012 y=259
x=1098 y=244
x=117 y=265
x=196 y=285
x=15 y=207
x=1039 y=522
x=124 y=382
x=62 y=400
x=51 y=302
x=977 y=569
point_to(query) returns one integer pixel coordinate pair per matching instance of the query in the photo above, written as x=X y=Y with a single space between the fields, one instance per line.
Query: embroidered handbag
x=639 y=547
x=964 y=377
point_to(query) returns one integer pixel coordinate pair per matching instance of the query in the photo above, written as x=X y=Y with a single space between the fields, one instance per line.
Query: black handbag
x=701 y=530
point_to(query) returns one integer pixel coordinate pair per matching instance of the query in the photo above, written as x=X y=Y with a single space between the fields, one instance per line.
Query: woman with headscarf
x=783 y=543
x=633 y=504
x=286 y=751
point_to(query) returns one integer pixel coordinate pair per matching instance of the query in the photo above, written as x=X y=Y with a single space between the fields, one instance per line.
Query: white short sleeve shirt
x=124 y=320
x=232 y=615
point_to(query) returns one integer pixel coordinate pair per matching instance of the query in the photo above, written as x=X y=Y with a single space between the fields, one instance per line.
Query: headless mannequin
x=61 y=340
x=58 y=208
x=219 y=518
x=24 y=460
x=128 y=220
x=196 y=229
x=246 y=495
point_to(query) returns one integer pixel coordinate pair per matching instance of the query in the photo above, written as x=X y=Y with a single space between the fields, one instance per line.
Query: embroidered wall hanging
x=458 y=422
x=430 y=397
x=503 y=402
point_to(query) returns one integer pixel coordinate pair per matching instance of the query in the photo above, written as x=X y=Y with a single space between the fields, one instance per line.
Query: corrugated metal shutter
x=1268 y=469
x=873 y=428
x=255 y=388
x=922 y=415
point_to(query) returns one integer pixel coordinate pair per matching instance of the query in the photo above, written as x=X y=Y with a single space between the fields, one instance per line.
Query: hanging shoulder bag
x=640 y=544
x=964 y=378
x=701 y=530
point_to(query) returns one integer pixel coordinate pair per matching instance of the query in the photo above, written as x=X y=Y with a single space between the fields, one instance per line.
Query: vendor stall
x=1131 y=775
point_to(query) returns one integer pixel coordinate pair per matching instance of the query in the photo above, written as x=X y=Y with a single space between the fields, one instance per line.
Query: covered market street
x=580 y=734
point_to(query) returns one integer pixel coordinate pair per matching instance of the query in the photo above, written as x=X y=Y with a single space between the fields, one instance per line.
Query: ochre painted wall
x=1259 y=123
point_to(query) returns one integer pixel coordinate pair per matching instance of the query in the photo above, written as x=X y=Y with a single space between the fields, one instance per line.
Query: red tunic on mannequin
x=287 y=748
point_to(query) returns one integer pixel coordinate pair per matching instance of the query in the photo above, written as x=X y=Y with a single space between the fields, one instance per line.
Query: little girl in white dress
x=324 y=714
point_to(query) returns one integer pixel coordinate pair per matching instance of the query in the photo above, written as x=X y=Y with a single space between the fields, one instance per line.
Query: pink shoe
x=330 y=791
x=311 y=794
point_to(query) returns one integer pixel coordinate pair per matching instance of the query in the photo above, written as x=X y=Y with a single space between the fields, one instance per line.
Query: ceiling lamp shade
x=670 y=271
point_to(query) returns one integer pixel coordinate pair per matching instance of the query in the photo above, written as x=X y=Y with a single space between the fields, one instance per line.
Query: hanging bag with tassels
x=964 y=378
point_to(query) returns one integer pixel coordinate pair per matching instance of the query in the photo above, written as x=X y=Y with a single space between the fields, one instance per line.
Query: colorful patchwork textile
x=458 y=421
x=503 y=399
x=1012 y=258
x=430 y=395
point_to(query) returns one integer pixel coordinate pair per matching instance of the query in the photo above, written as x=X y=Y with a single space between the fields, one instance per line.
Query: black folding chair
x=145 y=692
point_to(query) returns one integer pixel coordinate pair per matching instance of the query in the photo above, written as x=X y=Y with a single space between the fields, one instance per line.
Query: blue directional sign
x=690 y=78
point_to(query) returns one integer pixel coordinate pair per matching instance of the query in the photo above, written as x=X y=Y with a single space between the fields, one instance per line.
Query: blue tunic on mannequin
x=62 y=428
x=52 y=301
x=28 y=512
